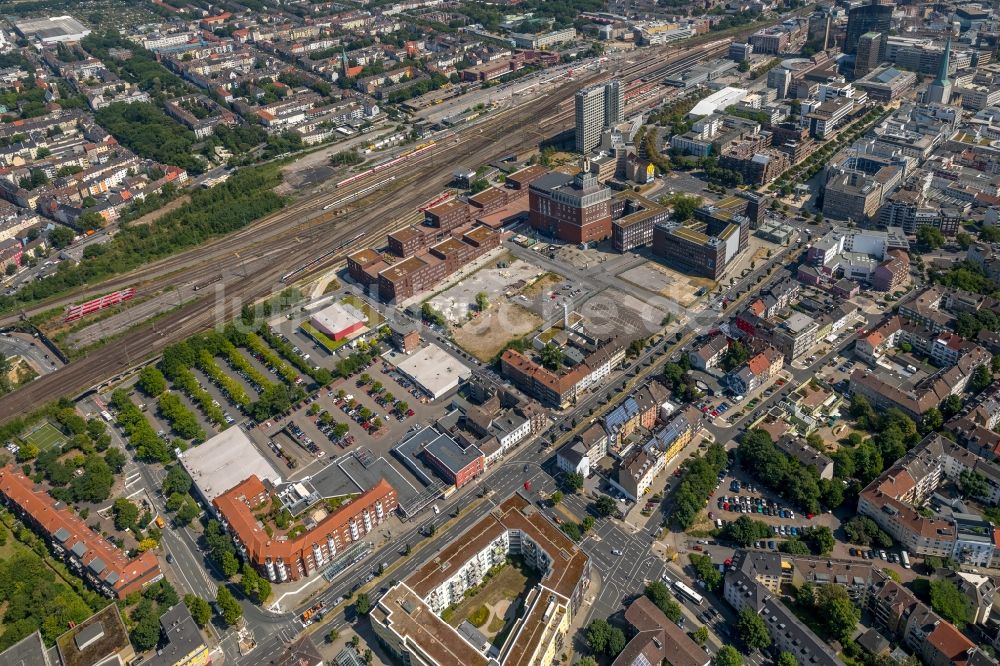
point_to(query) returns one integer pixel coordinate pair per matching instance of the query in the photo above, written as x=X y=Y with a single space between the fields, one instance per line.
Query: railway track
x=248 y=264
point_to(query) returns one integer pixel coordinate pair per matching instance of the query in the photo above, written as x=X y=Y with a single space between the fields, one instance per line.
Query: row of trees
x=229 y=206
x=149 y=447
x=700 y=477
x=799 y=483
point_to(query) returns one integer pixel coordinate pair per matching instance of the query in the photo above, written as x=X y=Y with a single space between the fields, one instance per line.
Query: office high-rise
x=597 y=107
x=866 y=18
x=867 y=57
x=614 y=103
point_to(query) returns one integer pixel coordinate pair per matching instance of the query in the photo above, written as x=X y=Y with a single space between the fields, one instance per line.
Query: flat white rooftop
x=718 y=100
x=337 y=317
x=224 y=461
x=435 y=370
x=52 y=29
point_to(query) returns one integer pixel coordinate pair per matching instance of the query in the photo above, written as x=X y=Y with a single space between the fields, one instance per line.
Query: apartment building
x=754 y=581
x=890 y=500
x=914 y=396
x=407 y=618
x=560 y=389
x=88 y=554
x=761 y=368
x=306 y=554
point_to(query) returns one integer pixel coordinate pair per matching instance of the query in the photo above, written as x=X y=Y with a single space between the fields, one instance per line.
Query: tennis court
x=46 y=436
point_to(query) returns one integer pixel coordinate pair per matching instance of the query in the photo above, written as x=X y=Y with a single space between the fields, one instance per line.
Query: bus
x=905 y=557
x=688 y=593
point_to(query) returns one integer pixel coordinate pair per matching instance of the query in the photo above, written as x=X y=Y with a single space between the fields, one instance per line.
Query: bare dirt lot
x=486 y=335
x=670 y=284
x=614 y=312
x=459 y=301
x=160 y=212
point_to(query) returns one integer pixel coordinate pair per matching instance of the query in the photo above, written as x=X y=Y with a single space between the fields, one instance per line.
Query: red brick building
x=422 y=271
x=284 y=560
x=447 y=216
x=87 y=553
x=573 y=209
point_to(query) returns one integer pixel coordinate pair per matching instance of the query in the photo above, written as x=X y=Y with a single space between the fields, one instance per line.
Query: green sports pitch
x=45 y=437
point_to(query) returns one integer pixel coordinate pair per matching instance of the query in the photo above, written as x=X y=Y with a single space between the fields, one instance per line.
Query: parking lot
x=349 y=415
x=736 y=496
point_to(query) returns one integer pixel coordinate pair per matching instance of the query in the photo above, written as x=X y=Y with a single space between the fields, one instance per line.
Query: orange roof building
x=286 y=559
x=99 y=562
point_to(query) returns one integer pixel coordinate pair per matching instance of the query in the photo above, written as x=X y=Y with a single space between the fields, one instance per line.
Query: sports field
x=45 y=437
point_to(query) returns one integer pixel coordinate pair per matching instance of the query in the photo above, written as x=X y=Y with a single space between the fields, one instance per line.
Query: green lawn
x=46 y=436
x=374 y=317
x=321 y=338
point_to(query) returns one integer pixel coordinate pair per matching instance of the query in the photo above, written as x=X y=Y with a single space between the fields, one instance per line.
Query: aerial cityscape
x=499 y=333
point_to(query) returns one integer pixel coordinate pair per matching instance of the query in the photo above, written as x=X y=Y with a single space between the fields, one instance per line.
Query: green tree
x=145 y=632
x=61 y=236
x=744 y=530
x=200 y=609
x=839 y=613
x=482 y=301
x=254 y=586
x=753 y=630
x=949 y=602
x=973 y=484
x=794 y=547
x=176 y=481
x=151 y=381
x=932 y=420
x=700 y=635
x=605 y=506
x=659 y=594
x=556 y=497
x=125 y=514
x=362 y=605
x=616 y=642
x=229 y=608
x=787 y=659
x=229 y=564
x=981 y=378
x=551 y=356
x=573 y=482
x=929 y=238
x=683 y=206
x=115 y=459
x=735 y=356
x=94 y=484
x=820 y=540
x=598 y=635
x=727 y=656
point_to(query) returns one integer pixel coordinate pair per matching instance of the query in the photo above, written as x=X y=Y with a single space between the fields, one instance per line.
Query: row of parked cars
x=304 y=440
x=747 y=504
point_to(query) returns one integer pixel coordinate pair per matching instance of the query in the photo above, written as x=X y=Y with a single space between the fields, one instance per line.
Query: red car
x=410 y=412
x=809 y=516
x=699 y=548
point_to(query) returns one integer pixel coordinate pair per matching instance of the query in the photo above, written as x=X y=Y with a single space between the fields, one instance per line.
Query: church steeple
x=939 y=91
x=942 y=76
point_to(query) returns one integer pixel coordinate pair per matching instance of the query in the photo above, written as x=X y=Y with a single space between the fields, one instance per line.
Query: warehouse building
x=338 y=320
